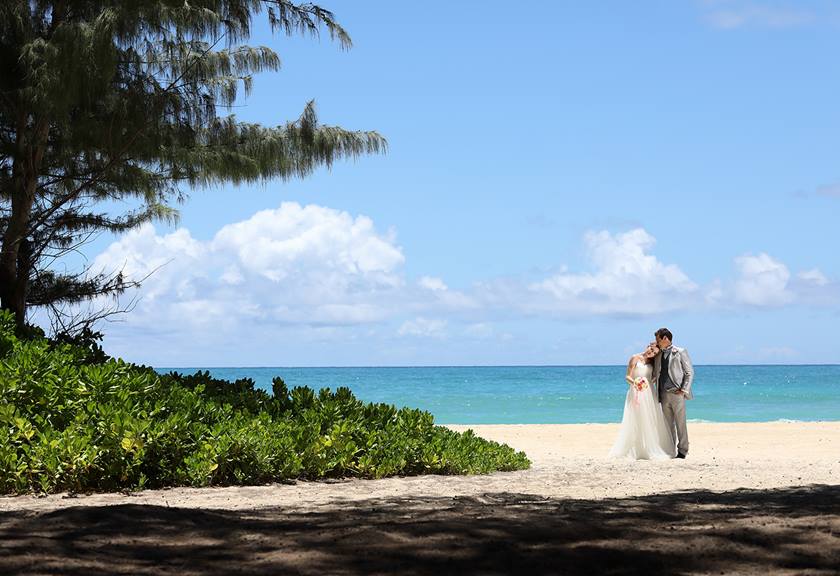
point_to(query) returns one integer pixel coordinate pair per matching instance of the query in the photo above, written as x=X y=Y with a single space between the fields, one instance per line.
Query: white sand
x=569 y=461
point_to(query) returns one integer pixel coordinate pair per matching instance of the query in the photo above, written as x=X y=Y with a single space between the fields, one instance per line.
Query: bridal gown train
x=643 y=434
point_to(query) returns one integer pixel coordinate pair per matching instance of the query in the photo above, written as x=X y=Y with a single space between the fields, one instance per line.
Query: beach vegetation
x=73 y=419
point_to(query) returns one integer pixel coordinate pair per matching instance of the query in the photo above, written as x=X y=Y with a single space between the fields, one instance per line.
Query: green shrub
x=74 y=419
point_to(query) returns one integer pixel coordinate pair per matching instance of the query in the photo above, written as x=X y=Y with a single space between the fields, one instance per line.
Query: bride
x=643 y=434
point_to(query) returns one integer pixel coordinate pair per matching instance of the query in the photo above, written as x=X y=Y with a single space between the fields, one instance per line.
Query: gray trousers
x=673 y=408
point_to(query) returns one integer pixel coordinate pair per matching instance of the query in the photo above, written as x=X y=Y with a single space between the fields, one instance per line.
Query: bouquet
x=638 y=385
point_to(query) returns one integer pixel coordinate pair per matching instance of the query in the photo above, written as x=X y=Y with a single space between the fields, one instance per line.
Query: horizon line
x=482 y=366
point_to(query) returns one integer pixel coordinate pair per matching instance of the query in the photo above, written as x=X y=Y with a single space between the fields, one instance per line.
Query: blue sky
x=560 y=182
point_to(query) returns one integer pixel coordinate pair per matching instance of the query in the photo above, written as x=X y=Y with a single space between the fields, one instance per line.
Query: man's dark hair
x=664 y=333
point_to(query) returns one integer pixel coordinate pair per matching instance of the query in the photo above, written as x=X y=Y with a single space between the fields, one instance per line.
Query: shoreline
x=460 y=425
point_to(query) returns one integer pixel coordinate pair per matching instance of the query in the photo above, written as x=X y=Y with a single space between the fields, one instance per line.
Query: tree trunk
x=15 y=261
x=13 y=279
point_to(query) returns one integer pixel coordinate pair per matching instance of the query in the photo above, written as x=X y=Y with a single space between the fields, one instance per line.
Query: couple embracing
x=660 y=380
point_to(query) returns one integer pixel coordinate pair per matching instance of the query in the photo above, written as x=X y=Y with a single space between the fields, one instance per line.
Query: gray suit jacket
x=680 y=369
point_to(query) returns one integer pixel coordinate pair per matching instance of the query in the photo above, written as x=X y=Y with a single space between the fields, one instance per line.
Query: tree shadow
x=793 y=530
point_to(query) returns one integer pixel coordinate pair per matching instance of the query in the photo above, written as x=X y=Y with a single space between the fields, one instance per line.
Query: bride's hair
x=648 y=360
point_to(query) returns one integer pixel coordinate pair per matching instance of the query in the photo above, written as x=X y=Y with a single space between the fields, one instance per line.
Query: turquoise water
x=568 y=394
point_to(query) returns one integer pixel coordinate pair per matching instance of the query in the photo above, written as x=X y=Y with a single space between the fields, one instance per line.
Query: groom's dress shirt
x=665 y=382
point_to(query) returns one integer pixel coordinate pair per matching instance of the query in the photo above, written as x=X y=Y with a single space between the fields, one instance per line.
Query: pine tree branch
x=111 y=162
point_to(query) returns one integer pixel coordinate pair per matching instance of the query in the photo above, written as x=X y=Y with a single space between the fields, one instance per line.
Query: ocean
x=567 y=394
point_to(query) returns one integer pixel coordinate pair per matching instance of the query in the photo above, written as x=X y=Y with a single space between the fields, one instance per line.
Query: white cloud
x=814 y=288
x=232 y=275
x=317 y=276
x=174 y=264
x=435 y=294
x=434 y=284
x=813 y=276
x=310 y=240
x=732 y=14
x=294 y=265
x=626 y=279
x=424 y=327
x=762 y=281
x=314 y=266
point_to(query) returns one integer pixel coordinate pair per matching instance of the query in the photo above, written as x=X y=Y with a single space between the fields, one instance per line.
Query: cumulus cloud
x=295 y=264
x=311 y=240
x=315 y=266
x=627 y=279
x=762 y=281
x=319 y=275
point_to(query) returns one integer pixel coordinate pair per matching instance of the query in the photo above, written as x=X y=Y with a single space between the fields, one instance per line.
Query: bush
x=74 y=419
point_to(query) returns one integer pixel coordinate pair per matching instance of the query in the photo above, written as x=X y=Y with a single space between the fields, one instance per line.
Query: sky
x=562 y=179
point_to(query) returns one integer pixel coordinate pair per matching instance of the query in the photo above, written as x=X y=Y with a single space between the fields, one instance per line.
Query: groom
x=672 y=375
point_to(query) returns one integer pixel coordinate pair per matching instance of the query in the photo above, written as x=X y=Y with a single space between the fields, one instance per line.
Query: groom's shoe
x=680 y=455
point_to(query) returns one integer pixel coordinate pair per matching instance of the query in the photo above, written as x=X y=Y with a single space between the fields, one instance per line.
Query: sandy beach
x=749 y=498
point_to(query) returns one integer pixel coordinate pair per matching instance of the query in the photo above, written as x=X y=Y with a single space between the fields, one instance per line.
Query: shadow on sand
x=794 y=531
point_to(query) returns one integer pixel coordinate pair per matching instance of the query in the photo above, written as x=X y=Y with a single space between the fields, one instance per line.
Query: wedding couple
x=654 y=426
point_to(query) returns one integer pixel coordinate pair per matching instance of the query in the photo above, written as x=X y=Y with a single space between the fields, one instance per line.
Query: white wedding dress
x=643 y=434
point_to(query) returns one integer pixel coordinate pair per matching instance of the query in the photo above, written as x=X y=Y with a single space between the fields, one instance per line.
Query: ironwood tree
x=129 y=100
